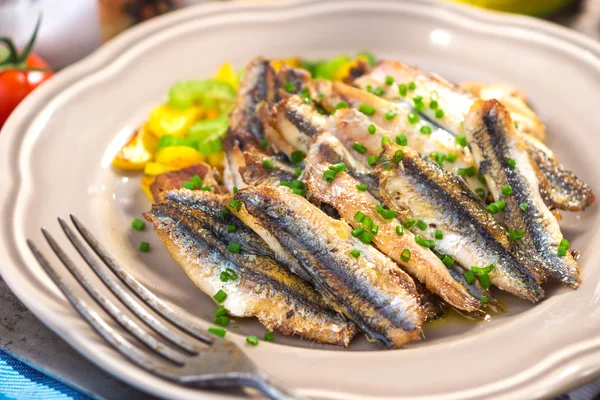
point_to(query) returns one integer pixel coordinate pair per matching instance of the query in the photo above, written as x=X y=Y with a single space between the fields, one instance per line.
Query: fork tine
x=148 y=297
x=131 y=303
x=127 y=323
x=121 y=344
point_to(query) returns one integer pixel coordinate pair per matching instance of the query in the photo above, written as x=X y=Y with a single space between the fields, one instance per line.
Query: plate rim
x=11 y=168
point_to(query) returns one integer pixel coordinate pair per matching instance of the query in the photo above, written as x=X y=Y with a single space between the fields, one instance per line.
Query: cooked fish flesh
x=174 y=179
x=422 y=264
x=191 y=226
x=262 y=169
x=369 y=289
x=502 y=157
x=419 y=189
x=452 y=105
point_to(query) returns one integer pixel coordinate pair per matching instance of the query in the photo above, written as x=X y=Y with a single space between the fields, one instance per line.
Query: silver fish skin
x=423 y=264
x=418 y=188
x=264 y=289
x=455 y=103
x=327 y=148
x=370 y=290
x=494 y=141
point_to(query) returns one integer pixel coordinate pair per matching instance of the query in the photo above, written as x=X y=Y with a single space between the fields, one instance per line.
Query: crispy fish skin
x=456 y=103
x=174 y=179
x=370 y=289
x=494 y=140
x=418 y=188
x=423 y=264
x=264 y=289
x=255 y=171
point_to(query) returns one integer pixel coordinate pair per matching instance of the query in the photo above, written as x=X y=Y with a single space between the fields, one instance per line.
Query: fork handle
x=274 y=389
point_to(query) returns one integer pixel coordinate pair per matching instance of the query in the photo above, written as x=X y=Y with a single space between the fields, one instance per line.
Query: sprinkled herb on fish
x=430 y=199
x=511 y=175
x=364 y=285
x=200 y=239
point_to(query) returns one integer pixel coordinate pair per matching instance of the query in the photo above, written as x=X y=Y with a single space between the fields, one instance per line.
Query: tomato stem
x=14 y=60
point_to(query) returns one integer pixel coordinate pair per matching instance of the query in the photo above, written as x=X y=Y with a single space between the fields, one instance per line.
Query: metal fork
x=213 y=363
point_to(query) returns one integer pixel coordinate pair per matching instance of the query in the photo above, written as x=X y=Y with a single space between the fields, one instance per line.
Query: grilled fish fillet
x=455 y=104
x=494 y=142
x=419 y=189
x=370 y=289
x=192 y=228
x=423 y=264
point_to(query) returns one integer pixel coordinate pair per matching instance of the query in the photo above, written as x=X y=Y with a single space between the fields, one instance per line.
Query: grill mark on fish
x=490 y=127
x=420 y=189
x=424 y=265
x=263 y=289
x=299 y=121
x=381 y=299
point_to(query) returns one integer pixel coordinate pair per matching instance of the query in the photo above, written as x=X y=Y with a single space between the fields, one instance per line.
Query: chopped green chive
x=372 y=160
x=263 y=142
x=289 y=87
x=433 y=104
x=564 y=243
x=269 y=336
x=222 y=321
x=422 y=225
x=339 y=167
x=299 y=192
x=398 y=156
x=217 y=331
x=561 y=251
x=413 y=118
x=388 y=214
x=439 y=235
x=369 y=88
x=484 y=280
x=366 y=109
x=379 y=208
x=470 y=171
x=144 y=247
x=469 y=277
x=402 y=89
x=439 y=113
x=234 y=247
x=507 y=190
x=424 y=242
x=511 y=163
x=425 y=130
x=384 y=140
x=359 y=148
x=399 y=230
x=501 y=204
x=493 y=208
x=408 y=223
x=405 y=255
x=297 y=184
x=224 y=277
x=516 y=125
x=485 y=270
x=390 y=114
x=355 y=253
x=481 y=178
x=341 y=104
x=298 y=156
x=480 y=192
x=297 y=171
x=231 y=228
x=461 y=140
x=515 y=235
x=235 y=204
x=448 y=261
x=225 y=213
x=412 y=85
x=379 y=91
x=321 y=96
x=483 y=299
x=220 y=311
x=138 y=224
x=329 y=175
x=359 y=216
x=358 y=231
x=220 y=296
x=401 y=139
x=268 y=164
x=523 y=207
x=367 y=222
x=362 y=187
x=439 y=158
x=372 y=129
x=252 y=340
x=389 y=80
x=189 y=185
x=207 y=189
x=374 y=229
x=366 y=237
x=451 y=157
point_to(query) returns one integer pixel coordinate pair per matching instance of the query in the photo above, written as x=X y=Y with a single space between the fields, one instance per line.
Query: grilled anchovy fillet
x=369 y=290
x=456 y=103
x=257 y=170
x=494 y=140
x=476 y=290
x=559 y=187
x=423 y=264
x=418 y=188
x=193 y=230
x=327 y=148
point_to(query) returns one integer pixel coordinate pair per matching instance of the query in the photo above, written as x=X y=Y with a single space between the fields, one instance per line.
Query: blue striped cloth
x=21 y=382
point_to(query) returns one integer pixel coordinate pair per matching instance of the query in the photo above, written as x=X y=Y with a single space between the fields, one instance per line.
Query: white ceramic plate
x=55 y=154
